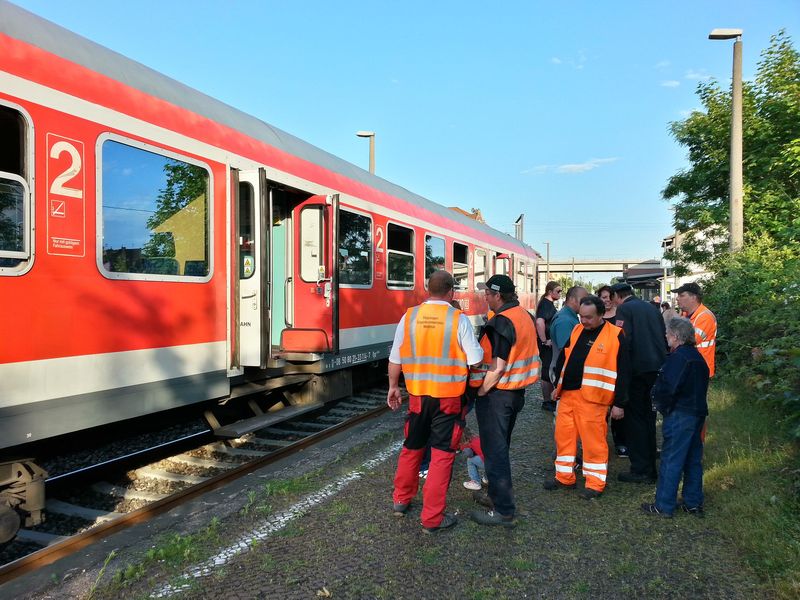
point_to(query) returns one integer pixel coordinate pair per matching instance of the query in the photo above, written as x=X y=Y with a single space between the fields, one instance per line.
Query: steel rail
x=56 y=551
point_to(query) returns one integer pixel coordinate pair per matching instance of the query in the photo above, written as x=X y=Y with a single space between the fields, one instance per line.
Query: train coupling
x=22 y=496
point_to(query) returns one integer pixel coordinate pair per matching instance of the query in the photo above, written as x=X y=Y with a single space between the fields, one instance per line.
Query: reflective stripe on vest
x=477 y=373
x=523 y=364
x=705 y=330
x=600 y=368
x=432 y=360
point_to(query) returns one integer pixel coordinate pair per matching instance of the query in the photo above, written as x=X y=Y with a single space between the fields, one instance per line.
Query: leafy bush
x=755 y=295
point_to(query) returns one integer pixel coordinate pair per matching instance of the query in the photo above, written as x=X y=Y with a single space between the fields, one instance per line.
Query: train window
x=520 y=279
x=311 y=243
x=501 y=264
x=399 y=257
x=14 y=191
x=355 y=249
x=154 y=214
x=480 y=274
x=531 y=278
x=434 y=256
x=247 y=242
x=461 y=265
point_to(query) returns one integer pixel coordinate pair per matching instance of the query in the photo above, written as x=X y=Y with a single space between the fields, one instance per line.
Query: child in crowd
x=471 y=447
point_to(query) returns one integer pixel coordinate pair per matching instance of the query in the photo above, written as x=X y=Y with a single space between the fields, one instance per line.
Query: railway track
x=90 y=503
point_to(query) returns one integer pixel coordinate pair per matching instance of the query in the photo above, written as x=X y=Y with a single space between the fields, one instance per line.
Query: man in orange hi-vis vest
x=595 y=373
x=433 y=347
x=690 y=300
x=512 y=366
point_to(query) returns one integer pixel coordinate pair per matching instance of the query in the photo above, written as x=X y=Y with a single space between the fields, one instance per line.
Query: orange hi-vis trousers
x=577 y=418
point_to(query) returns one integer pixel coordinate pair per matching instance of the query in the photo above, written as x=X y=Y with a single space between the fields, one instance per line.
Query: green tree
x=771 y=137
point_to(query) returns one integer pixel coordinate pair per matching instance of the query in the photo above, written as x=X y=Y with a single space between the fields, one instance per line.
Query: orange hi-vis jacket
x=600 y=368
x=705 y=335
x=477 y=373
x=433 y=362
x=523 y=364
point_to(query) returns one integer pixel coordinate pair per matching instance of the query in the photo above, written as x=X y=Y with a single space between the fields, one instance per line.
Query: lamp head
x=365 y=134
x=725 y=34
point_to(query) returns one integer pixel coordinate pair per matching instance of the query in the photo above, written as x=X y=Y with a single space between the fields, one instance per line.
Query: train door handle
x=250 y=295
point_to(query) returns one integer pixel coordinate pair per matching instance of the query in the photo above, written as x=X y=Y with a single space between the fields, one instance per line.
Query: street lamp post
x=736 y=226
x=371 y=136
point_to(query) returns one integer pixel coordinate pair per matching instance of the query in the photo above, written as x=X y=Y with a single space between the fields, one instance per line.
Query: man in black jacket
x=644 y=330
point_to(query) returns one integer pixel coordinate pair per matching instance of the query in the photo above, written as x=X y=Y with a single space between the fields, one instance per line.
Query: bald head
x=441 y=284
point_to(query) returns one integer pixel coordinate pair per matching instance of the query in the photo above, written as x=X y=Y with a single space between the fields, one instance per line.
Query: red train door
x=315 y=326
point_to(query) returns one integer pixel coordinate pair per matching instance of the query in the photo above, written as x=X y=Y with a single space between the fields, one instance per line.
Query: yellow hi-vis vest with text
x=600 y=368
x=433 y=362
x=523 y=364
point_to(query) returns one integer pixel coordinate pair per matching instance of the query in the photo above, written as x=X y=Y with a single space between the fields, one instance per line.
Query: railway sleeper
x=73 y=510
x=41 y=538
x=205 y=463
x=104 y=487
x=161 y=475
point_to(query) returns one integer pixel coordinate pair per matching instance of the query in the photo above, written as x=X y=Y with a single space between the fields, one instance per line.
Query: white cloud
x=576 y=63
x=663 y=64
x=671 y=83
x=556 y=61
x=571 y=168
x=127 y=172
x=697 y=75
x=688 y=112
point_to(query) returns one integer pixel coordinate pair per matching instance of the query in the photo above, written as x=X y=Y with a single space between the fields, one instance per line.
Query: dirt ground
x=345 y=543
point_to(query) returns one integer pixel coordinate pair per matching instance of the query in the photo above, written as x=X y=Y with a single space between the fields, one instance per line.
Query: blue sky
x=559 y=110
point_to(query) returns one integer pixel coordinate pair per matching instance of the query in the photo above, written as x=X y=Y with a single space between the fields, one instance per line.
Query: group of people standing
x=590 y=368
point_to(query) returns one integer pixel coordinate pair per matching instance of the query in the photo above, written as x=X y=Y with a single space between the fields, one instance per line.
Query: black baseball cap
x=500 y=283
x=691 y=288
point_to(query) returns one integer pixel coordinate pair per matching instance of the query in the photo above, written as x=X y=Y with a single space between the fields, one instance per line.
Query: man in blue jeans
x=679 y=394
x=514 y=366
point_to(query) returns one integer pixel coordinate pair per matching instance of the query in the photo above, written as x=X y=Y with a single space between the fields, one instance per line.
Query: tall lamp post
x=371 y=136
x=736 y=187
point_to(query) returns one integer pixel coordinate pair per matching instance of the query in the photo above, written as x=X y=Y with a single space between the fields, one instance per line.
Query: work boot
x=651 y=509
x=400 y=509
x=636 y=478
x=590 y=494
x=695 y=511
x=447 y=521
x=492 y=518
x=555 y=484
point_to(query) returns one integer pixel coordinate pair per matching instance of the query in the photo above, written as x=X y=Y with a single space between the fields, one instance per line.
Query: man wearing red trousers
x=594 y=376
x=434 y=344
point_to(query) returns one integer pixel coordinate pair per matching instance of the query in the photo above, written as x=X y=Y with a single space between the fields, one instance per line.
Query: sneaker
x=696 y=511
x=555 y=484
x=622 y=452
x=399 y=509
x=492 y=518
x=447 y=521
x=636 y=478
x=423 y=474
x=472 y=485
x=651 y=509
x=590 y=494
x=549 y=406
x=482 y=498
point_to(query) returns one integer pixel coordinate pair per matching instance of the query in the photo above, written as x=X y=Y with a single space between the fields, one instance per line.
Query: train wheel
x=9 y=524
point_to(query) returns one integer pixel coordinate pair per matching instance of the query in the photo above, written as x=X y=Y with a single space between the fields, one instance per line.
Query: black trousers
x=640 y=425
x=497 y=413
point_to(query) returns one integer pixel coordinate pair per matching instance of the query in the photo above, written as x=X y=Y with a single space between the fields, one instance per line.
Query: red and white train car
x=159 y=248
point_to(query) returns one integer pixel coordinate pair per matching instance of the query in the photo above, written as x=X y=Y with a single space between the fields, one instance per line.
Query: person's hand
x=393 y=398
x=468 y=452
x=617 y=413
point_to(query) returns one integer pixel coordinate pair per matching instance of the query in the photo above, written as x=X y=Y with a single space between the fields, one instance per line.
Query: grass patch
x=752 y=479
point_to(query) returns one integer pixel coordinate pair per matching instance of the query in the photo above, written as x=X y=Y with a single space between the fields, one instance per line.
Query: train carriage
x=159 y=248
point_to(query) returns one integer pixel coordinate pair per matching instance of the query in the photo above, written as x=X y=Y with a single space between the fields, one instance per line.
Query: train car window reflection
x=247 y=242
x=501 y=265
x=399 y=257
x=480 y=274
x=461 y=265
x=434 y=256
x=311 y=243
x=154 y=213
x=355 y=249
